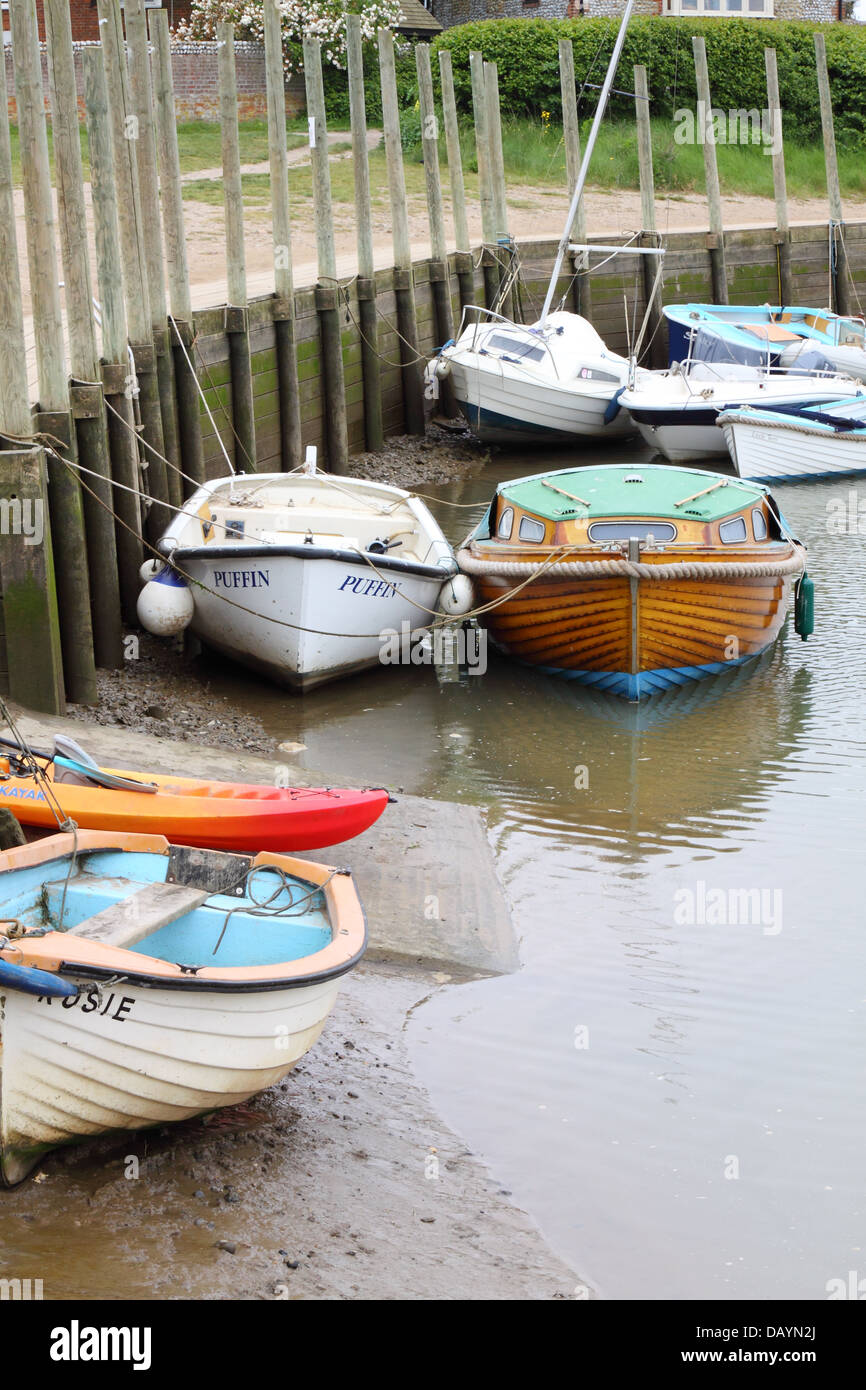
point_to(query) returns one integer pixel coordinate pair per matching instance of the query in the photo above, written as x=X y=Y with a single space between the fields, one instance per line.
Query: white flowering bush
x=324 y=20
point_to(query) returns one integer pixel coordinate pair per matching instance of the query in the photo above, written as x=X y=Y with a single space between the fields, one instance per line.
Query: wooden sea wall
x=618 y=304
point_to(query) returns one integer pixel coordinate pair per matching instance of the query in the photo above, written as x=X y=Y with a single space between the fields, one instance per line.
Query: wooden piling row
x=53 y=415
x=838 y=268
x=465 y=275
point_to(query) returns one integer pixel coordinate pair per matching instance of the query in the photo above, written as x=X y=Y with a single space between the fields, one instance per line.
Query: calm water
x=679 y=1103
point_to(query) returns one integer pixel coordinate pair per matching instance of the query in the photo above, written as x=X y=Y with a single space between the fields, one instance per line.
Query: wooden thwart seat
x=142 y=913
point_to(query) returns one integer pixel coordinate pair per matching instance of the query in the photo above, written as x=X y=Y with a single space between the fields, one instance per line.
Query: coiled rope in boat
x=474 y=564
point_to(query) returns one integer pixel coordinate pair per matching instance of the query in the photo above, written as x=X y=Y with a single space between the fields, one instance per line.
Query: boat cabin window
x=517 y=346
x=732 y=531
x=506 y=522
x=632 y=530
x=530 y=530
x=759 y=525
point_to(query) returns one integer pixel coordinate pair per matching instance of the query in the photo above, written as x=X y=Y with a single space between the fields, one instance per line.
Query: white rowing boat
x=299 y=575
x=142 y=983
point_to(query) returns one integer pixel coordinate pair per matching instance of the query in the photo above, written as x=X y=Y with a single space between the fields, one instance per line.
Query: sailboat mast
x=587 y=155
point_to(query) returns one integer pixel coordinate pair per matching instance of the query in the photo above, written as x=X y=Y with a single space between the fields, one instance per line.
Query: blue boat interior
x=294 y=924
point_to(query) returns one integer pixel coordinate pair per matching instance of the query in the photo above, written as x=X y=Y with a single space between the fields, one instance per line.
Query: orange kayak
x=237 y=816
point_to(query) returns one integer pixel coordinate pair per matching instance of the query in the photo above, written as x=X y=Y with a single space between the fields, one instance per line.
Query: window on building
x=762 y=9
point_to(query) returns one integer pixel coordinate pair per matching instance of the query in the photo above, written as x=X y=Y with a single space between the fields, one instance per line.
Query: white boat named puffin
x=677 y=410
x=299 y=575
x=142 y=983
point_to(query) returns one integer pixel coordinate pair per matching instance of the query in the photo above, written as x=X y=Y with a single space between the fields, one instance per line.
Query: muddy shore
x=340 y=1183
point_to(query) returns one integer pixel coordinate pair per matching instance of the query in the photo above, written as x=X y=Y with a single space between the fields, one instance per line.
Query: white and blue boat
x=767 y=335
x=787 y=443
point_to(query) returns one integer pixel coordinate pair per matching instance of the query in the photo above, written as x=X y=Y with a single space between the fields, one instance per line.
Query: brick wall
x=196 y=82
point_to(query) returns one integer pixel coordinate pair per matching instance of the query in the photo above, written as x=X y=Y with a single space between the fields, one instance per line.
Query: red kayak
x=237 y=816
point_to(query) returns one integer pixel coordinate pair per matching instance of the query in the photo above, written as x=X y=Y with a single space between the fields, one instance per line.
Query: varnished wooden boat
x=634 y=579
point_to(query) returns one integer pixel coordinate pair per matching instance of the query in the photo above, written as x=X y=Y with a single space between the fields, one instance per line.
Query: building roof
x=417 y=20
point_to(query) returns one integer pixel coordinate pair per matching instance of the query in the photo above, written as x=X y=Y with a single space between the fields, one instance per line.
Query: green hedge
x=525 y=51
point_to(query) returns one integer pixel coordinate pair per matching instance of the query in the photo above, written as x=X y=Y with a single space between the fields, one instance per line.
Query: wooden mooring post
x=489 y=259
x=88 y=406
x=440 y=280
x=288 y=388
x=839 y=255
x=183 y=327
x=652 y=278
x=404 y=288
x=52 y=416
x=243 y=421
x=31 y=664
x=504 y=253
x=124 y=125
x=463 y=255
x=581 y=293
x=117 y=377
x=716 y=238
x=374 y=437
x=141 y=89
x=780 y=189
x=328 y=289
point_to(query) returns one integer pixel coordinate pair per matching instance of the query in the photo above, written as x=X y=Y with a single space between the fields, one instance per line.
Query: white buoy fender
x=456 y=595
x=150 y=569
x=165 y=605
x=443 y=368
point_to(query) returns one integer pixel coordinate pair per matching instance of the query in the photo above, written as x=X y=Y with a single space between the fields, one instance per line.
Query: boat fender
x=457 y=595
x=613 y=407
x=150 y=569
x=804 y=608
x=443 y=367
x=29 y=981
x=165 y=605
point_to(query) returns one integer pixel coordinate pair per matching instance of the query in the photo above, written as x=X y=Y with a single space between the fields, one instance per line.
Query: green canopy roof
x=631 y=490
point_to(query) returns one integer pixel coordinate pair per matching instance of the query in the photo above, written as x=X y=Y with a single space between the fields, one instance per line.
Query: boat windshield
x=632 y=530
x=516 y=347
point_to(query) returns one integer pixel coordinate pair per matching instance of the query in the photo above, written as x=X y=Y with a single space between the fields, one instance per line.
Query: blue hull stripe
x=644 y=683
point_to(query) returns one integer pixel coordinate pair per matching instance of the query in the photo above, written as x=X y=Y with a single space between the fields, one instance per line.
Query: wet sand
x=340 y=1183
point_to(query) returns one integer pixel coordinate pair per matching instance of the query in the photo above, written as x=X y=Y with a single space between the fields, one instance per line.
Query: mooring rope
x=475 y=564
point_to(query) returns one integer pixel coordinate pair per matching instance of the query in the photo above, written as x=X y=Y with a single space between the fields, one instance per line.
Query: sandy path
x=533 y=213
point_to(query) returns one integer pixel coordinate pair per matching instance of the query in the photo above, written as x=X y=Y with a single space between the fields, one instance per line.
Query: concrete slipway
x=341 y=1182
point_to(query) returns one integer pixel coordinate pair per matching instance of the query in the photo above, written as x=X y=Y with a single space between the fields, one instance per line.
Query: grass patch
x=534 y=155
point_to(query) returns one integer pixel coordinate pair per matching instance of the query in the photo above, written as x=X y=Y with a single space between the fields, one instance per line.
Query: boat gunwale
x=346 y=919
x=254 y=550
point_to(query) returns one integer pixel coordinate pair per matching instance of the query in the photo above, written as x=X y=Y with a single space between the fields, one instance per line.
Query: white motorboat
x=299 y=576
x=812 y=442
x=553 y=381
x=677 y=410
